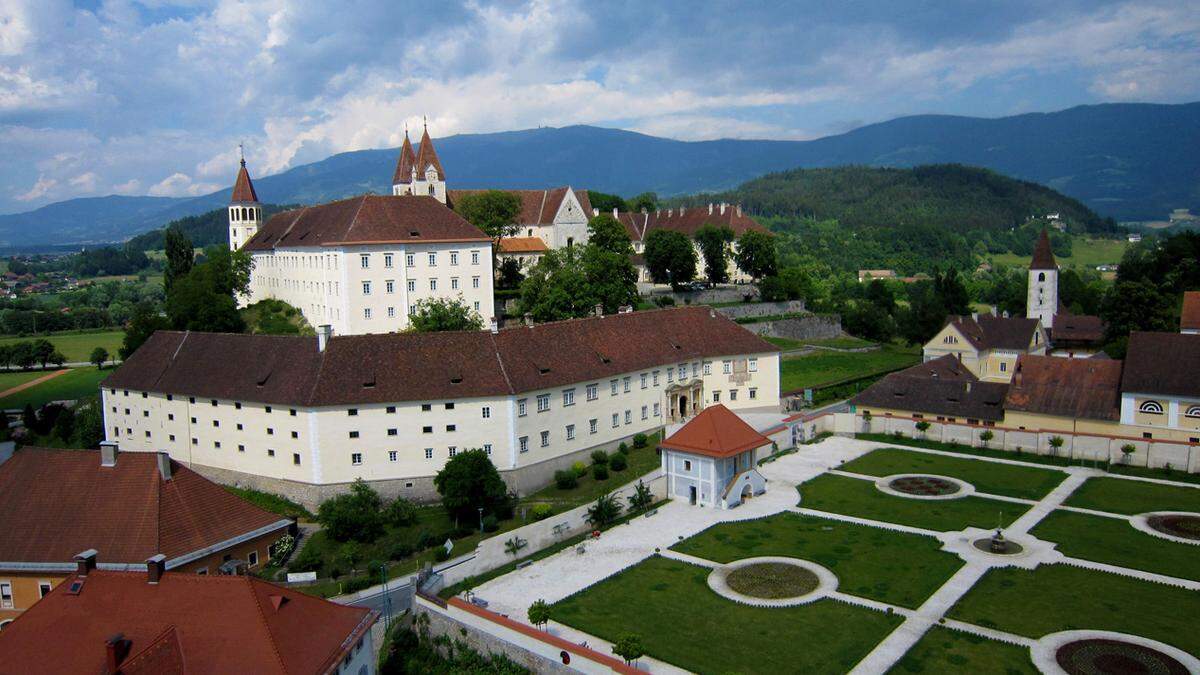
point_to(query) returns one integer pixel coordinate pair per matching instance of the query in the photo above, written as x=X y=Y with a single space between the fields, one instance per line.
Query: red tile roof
x=56 y=503
x=688 y=220
x=367 y=219
x=1189 y=318
x=1043 y=257
x=1052 y=385
x=405 y=164
x=1162 y=363
x=185 y=623
x=538 y=207
x=422 y=366
x=427 y=156
x=716 y=432
x=243 y=189
x=523 y=245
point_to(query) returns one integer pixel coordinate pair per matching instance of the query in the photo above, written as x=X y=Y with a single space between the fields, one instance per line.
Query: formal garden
x=1084 y=585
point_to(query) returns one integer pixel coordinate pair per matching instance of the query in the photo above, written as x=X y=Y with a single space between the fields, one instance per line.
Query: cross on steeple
x=242 y=153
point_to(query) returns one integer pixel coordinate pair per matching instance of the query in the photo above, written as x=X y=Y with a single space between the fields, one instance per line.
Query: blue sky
x=153 y=96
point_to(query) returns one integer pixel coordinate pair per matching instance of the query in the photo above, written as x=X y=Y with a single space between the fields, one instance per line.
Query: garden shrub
x=566 y=479
x=354 y=516
x=356 y=584
x=640 y=440
x=580 y=469
x=600 y=471
x=490 y=524
x=308 y=560
x=333 y=571
x=599 y=457
x=440 y=554
x=373 y=567
x=425 y=539
x=623 y=449
x=401 y=512
x=618 y=462
x=400 y=550
x=542 y=511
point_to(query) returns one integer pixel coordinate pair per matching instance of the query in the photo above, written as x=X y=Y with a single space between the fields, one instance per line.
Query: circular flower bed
x=1097 y=656
x=924 y=486
x=772 y=580
x=1177 y=525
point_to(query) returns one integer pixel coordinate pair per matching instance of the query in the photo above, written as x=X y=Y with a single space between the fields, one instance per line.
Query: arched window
x=432 y=190
x=1193 y=411
x=1151 y=407
x=570 y=242
x=233 y=215
x=1041 y=276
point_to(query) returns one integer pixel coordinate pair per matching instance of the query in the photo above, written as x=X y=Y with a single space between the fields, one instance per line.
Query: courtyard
x=862 y=557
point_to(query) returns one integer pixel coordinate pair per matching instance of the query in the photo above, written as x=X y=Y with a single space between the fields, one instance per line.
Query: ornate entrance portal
x=684 y=400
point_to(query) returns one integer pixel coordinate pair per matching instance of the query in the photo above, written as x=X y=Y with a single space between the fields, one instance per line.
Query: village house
x=711 y=460
x=127 y=506
x=306 y=416
x=150 y=620
x=986 y=344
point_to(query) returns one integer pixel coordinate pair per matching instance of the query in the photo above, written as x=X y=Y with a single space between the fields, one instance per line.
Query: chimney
x=681 y=212
x=975 y=316
x=710 y=208
x=494 y=325
x=108 y=453
x=155 y=566
x=1005 y=314
x=614 y=212
x=116 y=649
x=739 y=210
x=528 y=319
x=712 y=313
x=599 y=309
x=595 y=211
x=164 y=465
x=85 y=562
x=324 y=332
x=993 y=310
x=722 y=208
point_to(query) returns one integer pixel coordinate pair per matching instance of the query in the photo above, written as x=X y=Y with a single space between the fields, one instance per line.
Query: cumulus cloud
x=40 y=188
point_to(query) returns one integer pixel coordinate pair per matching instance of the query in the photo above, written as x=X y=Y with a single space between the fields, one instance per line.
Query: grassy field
x=1084 y=253
x=825 y=368
x=855 y=497
x=77 y=347
x=943 y=650
x=1130 y=497
x=8 y=380
x=901 y=569
x=681 y=621
x=1116 y=542
x=273 y=503
x=1052 y=598
x=1006 y=480
x=78 y=383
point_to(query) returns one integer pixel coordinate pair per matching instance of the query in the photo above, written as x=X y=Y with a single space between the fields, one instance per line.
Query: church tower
x=1042 y=301
x=402 y=179
x=245 y=213
x=427 y=175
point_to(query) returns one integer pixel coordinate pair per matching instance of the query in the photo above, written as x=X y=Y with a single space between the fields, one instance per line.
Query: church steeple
x=428 y=178
x=245 y=212
x=1042 y=299
x=403 y=176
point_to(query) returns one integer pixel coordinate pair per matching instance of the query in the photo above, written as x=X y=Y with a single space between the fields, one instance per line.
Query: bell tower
x=245 y=212
x=427 y=176
x=1042 y=300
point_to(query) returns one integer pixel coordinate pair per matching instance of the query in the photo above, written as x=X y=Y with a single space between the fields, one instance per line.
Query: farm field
x=77 y=347
x=76 y=384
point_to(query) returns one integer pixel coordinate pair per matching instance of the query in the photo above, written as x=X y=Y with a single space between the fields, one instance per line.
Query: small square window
x=295 y=434
x=428 y=453
x=356 y=458
x=427 y=430
x=237 y=405
x=393 y=455
x=426 y=407
x=392 y=432
x=353 y=434
x=270 y=452
x=352 y=412
x=451 y=427
x=391 y=409
x=241 y=448
x=449 y=406
x=270 y=431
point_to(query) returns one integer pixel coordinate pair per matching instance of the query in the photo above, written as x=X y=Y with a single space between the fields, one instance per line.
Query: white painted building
x=712 y=460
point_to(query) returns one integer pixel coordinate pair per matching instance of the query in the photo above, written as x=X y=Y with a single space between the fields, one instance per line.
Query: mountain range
x=1129 y=161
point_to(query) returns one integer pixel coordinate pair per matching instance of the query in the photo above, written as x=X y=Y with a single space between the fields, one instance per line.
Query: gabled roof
x=427 y=156
x=538 y=207
x=1052 y=385
x=56 y=503
x=688 y=220
x=197 y=624
x=1162 y=363
x=1077 y=328
x=366 y=219
x=523 y=245
x=1043 y=256
x=405 y=163
x=715 y=432
x=988 y=331
x=243 y=188
x=1189 y=317
x=939 y=387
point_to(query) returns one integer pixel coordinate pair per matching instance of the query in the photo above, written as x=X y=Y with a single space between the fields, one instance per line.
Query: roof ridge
x=354 y=219
x=500 y=361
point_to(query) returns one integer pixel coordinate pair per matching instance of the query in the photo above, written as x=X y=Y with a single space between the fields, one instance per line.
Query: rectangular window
x=645 y=380
x=454 y=283
x=409 y=260
x=356 y=458
x=391 y=409
x=387 y=260
x=474 y=282
x=393 y=455
x=393 y=432
x=570 y=432
x=389 y=286
x=543 y=402
x=453 y=257
x=592 y=392
x=545 y=439
x=433 y=259
x=616 y=420
x=733 y=394
x=366 y=312
x=453 y=451
x=6 y=595
x=716 y=396
x=487 y=448
x=727 y=367
x=474 y=257
x=411 y=284
x=364 y=260
x=487 y=412
x=753 y=393
x=523 y=443
x=613 y=385
x=366 y=286
x=656 y=377
x=645 y=412
x=708 y=368
x=391 y=312
x=568 y=397
x=754 y=365
x=521 y=404
x=628 y=382
x=428 y=453
x=295 y=457
x=270 y=452
x=451 y=427
x=44 y=587
x=592 y=426
x=352 y=411
x=353 y=434
x=426 y=407
x=252 y=559
x=657 y=409
x=670 y=374
x=433 y=284
x=628 y=417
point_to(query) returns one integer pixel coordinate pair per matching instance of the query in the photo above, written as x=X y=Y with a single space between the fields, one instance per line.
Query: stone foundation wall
x=812 y=327
x=486 y=643
x=762 y=309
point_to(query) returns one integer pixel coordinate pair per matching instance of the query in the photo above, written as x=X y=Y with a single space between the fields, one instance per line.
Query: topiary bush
x=566 y=479
x=640 y=441
x=623 y=449
x=490 y=523
x=541 y=511
x=618 y=462
x=600 y=471
x=356 y=584
x=425 y=539
x=580 y=469
x=440 y=554
x=599 y=457
x=400 y=550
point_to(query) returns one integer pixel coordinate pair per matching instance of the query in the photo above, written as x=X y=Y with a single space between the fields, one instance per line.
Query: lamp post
x=481 y=520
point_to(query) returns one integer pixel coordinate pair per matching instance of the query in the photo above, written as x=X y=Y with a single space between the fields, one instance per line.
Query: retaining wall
x=762 y=309
x=486 y=643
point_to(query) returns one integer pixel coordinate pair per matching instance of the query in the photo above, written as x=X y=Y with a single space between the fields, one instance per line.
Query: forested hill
x=950 y=196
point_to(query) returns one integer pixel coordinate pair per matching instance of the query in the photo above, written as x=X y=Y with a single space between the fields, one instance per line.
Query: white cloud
x=85 y=182
x=178 y=185
x=129 y=187
x=40 y=188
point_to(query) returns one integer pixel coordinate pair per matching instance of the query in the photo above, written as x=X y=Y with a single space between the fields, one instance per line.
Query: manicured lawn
x=943 y=650
x=77 y=347
x=641 y=461
x=1113 y=541
x=1129 y=497
x=855 y=497
x=823 y=367
x=992 y=477
x=1053 y=598
x=8 y=380
x=784 y=343
x=681 y=621
x=897 y=568
x=78 y=383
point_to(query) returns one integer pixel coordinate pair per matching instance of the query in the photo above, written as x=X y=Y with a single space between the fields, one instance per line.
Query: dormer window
x=1151 y=408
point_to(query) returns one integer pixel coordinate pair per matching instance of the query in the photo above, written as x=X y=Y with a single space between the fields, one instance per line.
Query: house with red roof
x=129 y=507
x=712 y=460
x=149 y=620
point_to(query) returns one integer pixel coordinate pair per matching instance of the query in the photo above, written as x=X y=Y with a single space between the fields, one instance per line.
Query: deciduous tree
x=468 y=482
x=432 y=315
x=670 y=257
x=756 y=254
x=714 y=243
